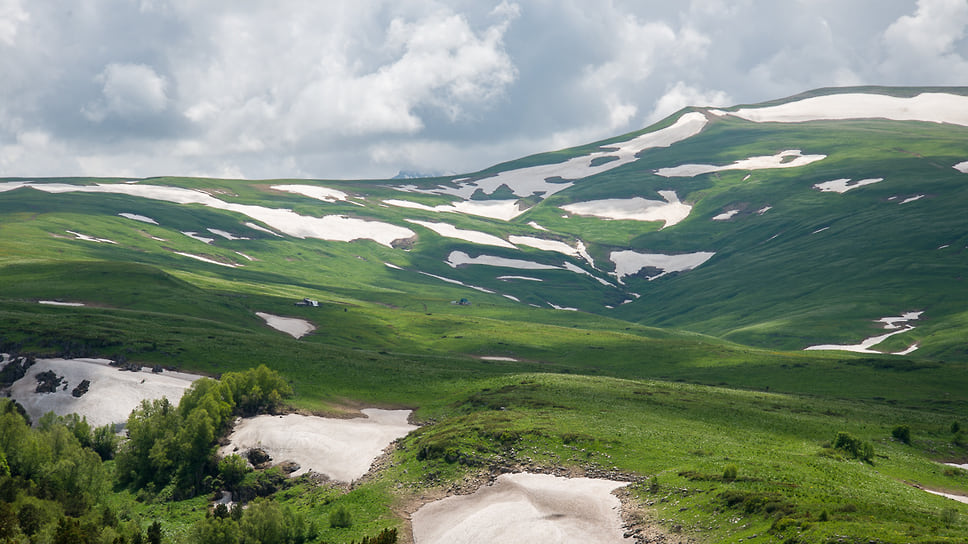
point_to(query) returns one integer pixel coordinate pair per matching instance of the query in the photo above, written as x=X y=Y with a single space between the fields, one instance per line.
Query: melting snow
x=630 y=262
x=912 y=199
x=504 y=210
x=547 y=245
x=196 y=236
x=567 y=309
x=844 y=185
x=535 y=225
x=764 y=209
x=297 y=328
x=262 y=229
x=342 y=449
x=331 y=227
x=313 y=191
x=962 y=167
x=526 y=278
x=205 y=259
x=511 y=297
x=456 y=282
x=548 y=179
x=890 y=323
x=226 y=235
x=725 y=216
x=780 y=160
x=112 y=394
x=87 y=238
x=525 y=508
x=672 y=211
x=459 y=258
x=137 y=217
x=450 y=231
x=58 y=303
x=819 y=230
x=393 y=266
x=931 y=107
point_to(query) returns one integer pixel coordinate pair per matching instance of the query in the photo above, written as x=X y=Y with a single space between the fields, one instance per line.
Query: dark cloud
x=363 y=89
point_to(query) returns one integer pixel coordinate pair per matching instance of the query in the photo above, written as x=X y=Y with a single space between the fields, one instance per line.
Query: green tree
x=215 y=530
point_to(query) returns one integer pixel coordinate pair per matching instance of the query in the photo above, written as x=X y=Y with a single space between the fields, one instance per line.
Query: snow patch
x=58 y=303
x=459 y=258
x=205 y=259
x=342 y=449
x=893 y=324
x=929 y=107
x=672 y=211
x=86 y=238
x=630 y=262
x=226 y=235
x=843 y=185
x=111 y=396
x=911 y=199
x=962 y=167
x=725 y=216
x=525 y=508
x=313 y=191
x=137 y=217
x=548 y=179
x=504 y=210
x=780 y=160
x=497 y=358
x=297 y=328
x=535 y=225
x=200 y=238
x=476 y=237
x=457 y=282
x=331 y=227
x=525 y=278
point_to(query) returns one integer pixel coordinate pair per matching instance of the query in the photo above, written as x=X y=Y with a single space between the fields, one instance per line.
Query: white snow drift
x=111 y=396
x=325 y=194
x=459 y=258
x=523 y=509
x=342 y=449
x=504 y=210
x=962 y=167
x=630 y=262
x=930 y=107
x=843 y=185
x=293 y=326
x=137 y=217
x=336 y=228
x=450 y=231
x=791 y=158
x=548 y=179
x=897 y=325
x=672 y=211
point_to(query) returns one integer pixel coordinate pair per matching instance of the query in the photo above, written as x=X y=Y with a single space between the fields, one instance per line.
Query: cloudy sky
x=367 y=88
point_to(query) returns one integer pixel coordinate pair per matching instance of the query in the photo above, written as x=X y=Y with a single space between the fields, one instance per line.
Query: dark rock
x=81 y=388
x=48 y=382
x=257 y=456
x=289 y=466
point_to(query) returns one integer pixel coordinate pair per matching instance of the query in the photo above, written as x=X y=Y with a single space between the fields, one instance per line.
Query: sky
x=368 y=88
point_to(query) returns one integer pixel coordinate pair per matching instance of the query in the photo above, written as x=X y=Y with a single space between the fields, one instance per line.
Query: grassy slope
x=587 y=390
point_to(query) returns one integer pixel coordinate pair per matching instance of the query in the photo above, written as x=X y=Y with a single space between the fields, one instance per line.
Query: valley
x=749 y=319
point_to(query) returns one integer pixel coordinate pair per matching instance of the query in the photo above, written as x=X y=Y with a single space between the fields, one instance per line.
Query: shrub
x=854 y=447
x=729 y=473
x=902 y=433
x=955 y=427
x=340 y=518
x=949 y=516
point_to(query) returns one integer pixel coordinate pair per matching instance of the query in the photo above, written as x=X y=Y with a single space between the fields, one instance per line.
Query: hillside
x=557 y=303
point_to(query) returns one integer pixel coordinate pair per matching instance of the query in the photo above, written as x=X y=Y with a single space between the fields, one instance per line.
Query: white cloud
x=929 y=44
x=128 y=90
x=12 y=15
x=682 y=95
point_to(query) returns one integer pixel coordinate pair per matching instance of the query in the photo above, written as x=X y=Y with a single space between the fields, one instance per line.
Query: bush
x=902 y=433
x=729 y=473
x=955 y=427
x=340 y=518
x=854 y=447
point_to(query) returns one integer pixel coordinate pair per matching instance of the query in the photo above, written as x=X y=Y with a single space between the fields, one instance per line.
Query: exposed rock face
x=48 y=382
x=289 y=466
x=258 y=456
x=81 y=388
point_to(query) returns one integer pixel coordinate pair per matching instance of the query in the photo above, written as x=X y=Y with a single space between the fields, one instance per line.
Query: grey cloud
x=363 y=89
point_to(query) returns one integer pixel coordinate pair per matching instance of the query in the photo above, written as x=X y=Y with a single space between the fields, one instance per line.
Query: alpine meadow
x=749 y=322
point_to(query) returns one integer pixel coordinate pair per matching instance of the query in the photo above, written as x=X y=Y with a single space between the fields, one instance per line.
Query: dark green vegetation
x=696 y=391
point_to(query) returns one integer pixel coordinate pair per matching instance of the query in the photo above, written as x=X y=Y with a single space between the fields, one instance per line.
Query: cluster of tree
x=262 y=522
x=854 y=447
x=172 y=449
x=52 y=482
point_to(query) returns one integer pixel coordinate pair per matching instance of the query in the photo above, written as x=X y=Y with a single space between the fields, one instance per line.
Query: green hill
x=642 y=303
